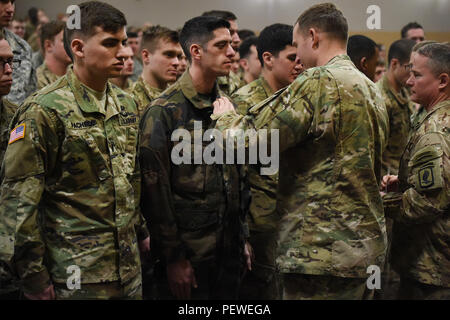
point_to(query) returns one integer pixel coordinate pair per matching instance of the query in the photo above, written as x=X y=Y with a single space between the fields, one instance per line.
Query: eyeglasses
x=13 y=63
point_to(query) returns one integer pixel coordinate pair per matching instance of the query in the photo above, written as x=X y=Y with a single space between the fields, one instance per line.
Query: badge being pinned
x=17 y=133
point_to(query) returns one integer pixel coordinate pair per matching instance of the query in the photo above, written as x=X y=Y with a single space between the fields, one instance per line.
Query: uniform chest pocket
x=425 y=168
x=82 y=162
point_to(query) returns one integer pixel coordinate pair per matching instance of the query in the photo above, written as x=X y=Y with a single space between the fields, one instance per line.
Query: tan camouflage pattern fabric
x=400 y=110
x=196 y=211
x=229 y=84
x=332 y=130
x=24 y=77
x=144 y=94
x=420 y=245
x=45 y=76
x=72 y=184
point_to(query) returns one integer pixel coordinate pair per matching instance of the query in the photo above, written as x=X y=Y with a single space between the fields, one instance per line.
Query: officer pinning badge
x=426 y=177
x=17 y=133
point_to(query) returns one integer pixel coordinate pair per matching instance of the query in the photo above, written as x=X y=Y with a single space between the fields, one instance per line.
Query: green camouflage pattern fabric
x=229 y=84
x=144 y=94
x=137 y=69
x=8 y=283
x=260 y=283
x=400 y=110
x=45 y=76
x=196 y=211
x=420 y=244
x=72 y=186
x=24 y=77
x=332 y=130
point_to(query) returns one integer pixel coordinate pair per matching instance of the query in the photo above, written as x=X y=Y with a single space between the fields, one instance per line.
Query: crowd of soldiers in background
x=185 y=260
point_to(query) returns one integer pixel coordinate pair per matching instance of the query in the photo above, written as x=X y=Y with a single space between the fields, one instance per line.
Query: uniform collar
x=402 y=97
x=339 y=57
x=150 y=92
x=83 y=100
x=266 y=86
x=440 y=105
x=186 y=85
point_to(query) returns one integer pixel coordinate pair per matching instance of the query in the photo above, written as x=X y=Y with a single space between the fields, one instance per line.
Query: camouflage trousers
x=212 y=283
x=261 y=283
x=314 y=287
x=414 y=290
x=130 y=290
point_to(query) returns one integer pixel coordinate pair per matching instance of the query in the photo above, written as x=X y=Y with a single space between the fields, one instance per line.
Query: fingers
x=222 y=105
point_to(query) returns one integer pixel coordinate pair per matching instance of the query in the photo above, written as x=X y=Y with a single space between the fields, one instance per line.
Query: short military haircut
x=409 y=26
x=381 y=63
x=200 y=30
x=326 y=18
x=274 y=39
x=152 y=35
x=33 y=15
x=439 y=57
x=401 y=50
x=245 y=47
x=245 y=33
x=419 y=45
x=50 y=30
x=359 y=46
x=225 y=15
x=132 y=34
x=94 y=14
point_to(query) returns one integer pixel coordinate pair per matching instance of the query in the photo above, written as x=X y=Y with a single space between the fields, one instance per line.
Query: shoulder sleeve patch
x=17 y=133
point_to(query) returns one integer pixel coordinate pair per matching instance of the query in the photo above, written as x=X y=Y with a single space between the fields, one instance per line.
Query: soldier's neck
x=248 y=77
x=119 y=81
x=88 y=79
x=392 y=81
x=203 y=81
x=329 y=50
x=271 y=80
x=442 y=96
x=152 y=81
x=55 y=66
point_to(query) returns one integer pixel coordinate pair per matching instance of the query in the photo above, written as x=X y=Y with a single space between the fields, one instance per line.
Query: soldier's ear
x=243 y=63
x=444 y=81
x=268 y=59
x=313 y=35
x=145 y=56
x=77 y=46
x=363 y=64
x=196 y=51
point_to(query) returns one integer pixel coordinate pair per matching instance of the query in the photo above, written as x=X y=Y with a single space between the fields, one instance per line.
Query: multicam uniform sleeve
x=428 y=197
x=157 y=199
x=29 y=159
x=290 y=111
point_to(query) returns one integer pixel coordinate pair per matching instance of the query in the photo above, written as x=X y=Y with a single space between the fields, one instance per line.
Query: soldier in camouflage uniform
x=332 y=132
x=71 y=175
x=280 y=68
x=24 y=75
x=9 y=288
x=197 y=211
x=56 y=59
x=161 y=55
x=420 y=207
x=124 y=82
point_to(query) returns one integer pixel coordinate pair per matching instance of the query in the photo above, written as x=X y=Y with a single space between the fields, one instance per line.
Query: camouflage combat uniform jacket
x=331 y=138
x=144 y=94
x=420 y=245
x=195 y=211
x=7 y=111
x=72 y=181
x=229 y=84
x=24 y=77
x=400 y=110
x=45 y=76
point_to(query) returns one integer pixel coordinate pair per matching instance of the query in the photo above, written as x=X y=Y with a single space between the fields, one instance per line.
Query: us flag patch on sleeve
x=17 y=133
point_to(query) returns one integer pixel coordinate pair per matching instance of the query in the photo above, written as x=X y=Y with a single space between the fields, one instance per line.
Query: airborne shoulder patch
x=426 y=177
x=17 y=133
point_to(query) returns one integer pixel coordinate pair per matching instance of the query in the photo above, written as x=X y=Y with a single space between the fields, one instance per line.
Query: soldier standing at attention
x=9 y=288
x=75 y=191
x=197 y=210
x=24 y=75
x=56 y=59
x=331 y=136
x=123 y=81
x=161 y=54
x=420 y=198
x=280 y=68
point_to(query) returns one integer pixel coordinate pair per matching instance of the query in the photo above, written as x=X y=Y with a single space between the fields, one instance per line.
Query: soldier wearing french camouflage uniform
x=24 y=75
x=161 y=54
x=9 y=288
x=420 y=199
x=56 y=59
x=280 y=68
x=331 y=136
x=197 y=210
x=71 y=175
